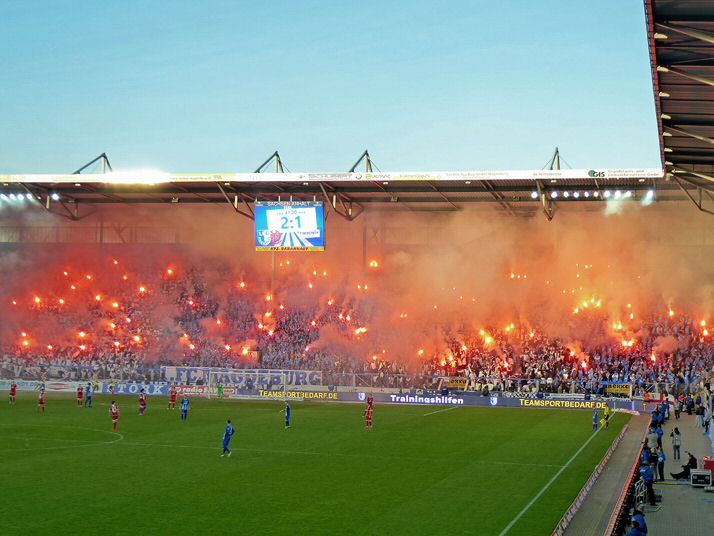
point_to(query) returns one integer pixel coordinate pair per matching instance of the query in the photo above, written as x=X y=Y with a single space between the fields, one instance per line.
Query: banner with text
x=241 y=378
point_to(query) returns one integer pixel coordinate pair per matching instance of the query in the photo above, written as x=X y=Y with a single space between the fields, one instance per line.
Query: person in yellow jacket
x=607 y=414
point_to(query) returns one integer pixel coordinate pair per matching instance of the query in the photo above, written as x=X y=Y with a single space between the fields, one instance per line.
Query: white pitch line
x=548 y=484
x=440 y=410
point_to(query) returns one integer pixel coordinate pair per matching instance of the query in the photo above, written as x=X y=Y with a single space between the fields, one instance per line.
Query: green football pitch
x=420 y=470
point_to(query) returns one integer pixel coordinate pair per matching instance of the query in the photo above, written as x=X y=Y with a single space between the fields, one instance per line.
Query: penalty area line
x=440 y=410
x=547 y=485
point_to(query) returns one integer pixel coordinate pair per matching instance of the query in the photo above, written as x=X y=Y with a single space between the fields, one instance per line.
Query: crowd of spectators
x=126 y=324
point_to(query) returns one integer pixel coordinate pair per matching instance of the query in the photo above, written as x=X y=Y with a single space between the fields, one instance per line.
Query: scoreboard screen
x=289 y=226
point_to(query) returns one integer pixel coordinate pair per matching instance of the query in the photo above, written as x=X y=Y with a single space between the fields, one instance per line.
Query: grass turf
x=461 y=471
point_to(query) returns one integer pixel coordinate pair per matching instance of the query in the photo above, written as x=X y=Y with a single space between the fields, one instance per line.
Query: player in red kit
x=370 y=401
x=368 y=417
x=80 y=396
x=13 y=393
x=114 y=410
x=142 y=402
x=172 y=397
x=41 y=400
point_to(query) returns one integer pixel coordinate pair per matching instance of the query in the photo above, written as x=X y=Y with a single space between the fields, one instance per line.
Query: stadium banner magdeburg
x=241 y=377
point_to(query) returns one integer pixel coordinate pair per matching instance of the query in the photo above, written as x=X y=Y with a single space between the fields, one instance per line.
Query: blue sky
x=195 y=86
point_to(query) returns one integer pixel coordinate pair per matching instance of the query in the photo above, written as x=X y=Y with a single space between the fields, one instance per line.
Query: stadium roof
x=347 y=193
x=681 y=42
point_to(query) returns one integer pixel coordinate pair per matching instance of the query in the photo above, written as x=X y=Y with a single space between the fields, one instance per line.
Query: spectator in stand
x=638 y=516
x=676 y=443
x=651 y=438
x=661 y=458
x=686 y=469
x=636 y=530
x=647 y=474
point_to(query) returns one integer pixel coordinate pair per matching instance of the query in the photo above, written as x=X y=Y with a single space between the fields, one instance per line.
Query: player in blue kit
x=184 y=408
x=596 y=420
x=227 y=435
x=287 y=414
x=88 y=395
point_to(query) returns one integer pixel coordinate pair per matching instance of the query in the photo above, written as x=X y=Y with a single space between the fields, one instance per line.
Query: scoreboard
x=289 y=226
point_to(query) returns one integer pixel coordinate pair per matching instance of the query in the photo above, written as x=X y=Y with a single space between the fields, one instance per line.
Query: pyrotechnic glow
x=227 y=347
x=330 y=302
x=703 y=323
x=359 y=331
x=25 y=343
x=98 y=297
x=671 y=313
x=128 y=320
x=37 y=299
x=82 y=347
x=142 y=289
x=420 y=352
x=50 y=347
x=169 y=271
x=242 y=284
x=116 y=344
x=268 y=314
x=584 y=364
x=244 y=351
x=61 y=301
x=185 y=335
x=313 y=323
x=112 y=325
x=14 y=302
x=307 y=348
x=192 y=346
x=23 y=334
x=373 y=264
x=136 y=338
x=324 y=274
x=116 y=262
x=270 y=333
x=89 y=277
x=632 y=316
x=705 y=332
x=218 y=321
x=531 y=334
x=281 y=307
x=268 y=297
x=125 y=277
x=82 y=334
x=653 y=357
x=115 y=304
x=348 y=318
x=488 y=339
x=464 y=348
x=309 y=285
x=260 y=325
x=65 y=273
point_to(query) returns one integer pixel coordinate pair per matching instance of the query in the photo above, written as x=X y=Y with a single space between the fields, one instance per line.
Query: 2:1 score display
x=292 y=219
